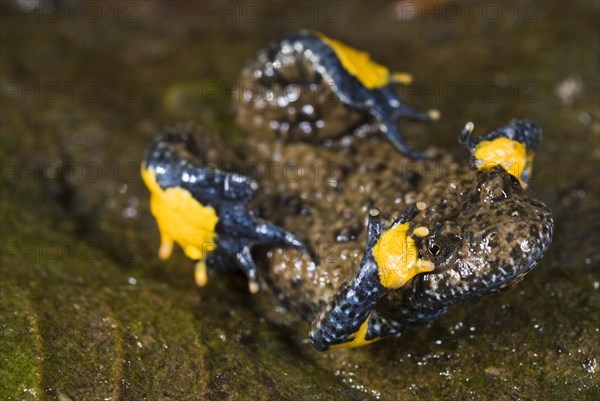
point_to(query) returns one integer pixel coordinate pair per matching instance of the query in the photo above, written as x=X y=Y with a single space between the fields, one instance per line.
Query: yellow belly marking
x=359 y=339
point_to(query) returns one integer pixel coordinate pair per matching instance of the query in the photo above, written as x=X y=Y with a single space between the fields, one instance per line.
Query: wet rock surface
x=89 y=312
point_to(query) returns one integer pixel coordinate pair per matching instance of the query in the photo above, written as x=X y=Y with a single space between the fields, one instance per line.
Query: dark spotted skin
x=485 y=233
x=488 y=235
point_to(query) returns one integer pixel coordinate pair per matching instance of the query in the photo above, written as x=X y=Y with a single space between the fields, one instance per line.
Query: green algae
x=21 y=345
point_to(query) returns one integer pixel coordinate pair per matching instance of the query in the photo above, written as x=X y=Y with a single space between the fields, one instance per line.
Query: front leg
x=389 y=262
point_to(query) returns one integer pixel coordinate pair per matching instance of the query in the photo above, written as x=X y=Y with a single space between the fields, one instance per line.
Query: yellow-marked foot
x=512 y=147
x=343 y=65
x=350 y=75
x=205 y=211
x=390 y=261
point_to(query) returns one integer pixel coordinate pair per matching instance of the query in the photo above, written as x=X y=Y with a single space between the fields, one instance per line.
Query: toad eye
x=434 y=249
